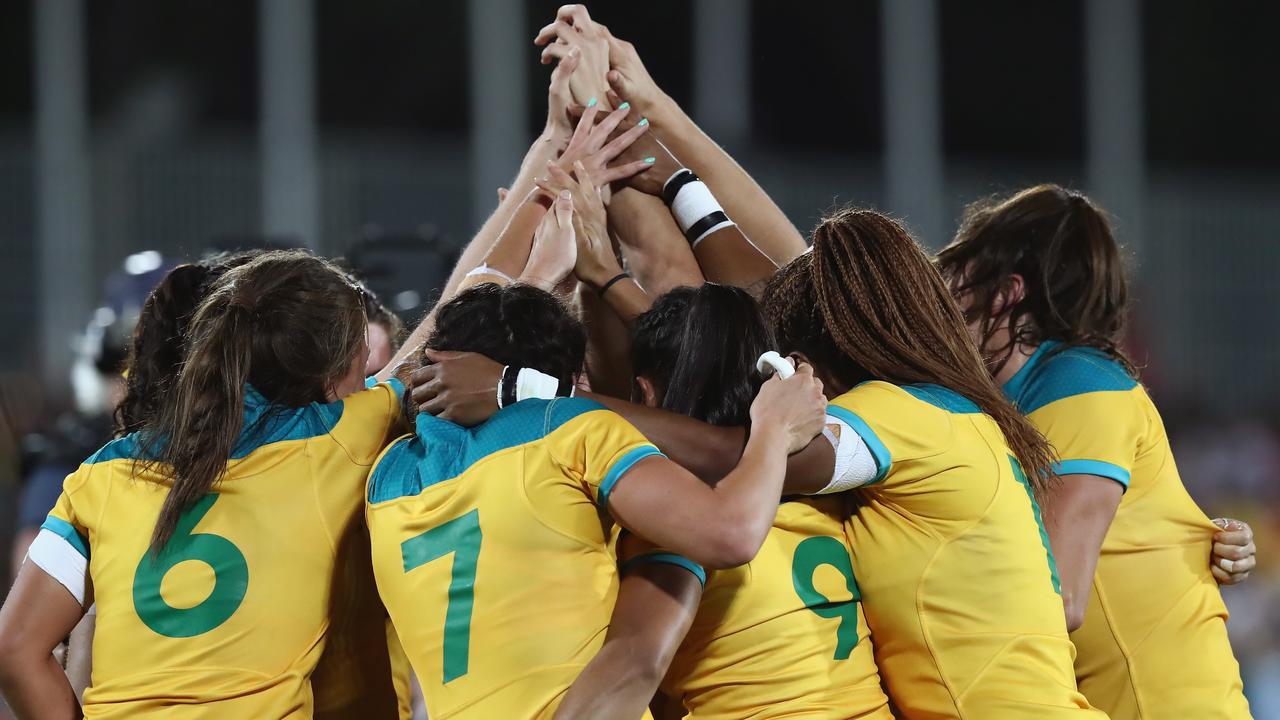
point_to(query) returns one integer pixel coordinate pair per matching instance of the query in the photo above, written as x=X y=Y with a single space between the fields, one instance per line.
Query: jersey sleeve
x=1094 y=433
x=597 y=447
x=370 y=419
x=895 y=427
x=61 y=548
x=635 y=552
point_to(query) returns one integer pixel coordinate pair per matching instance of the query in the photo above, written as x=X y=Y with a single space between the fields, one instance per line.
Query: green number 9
x=230 y=573
x=822 y=550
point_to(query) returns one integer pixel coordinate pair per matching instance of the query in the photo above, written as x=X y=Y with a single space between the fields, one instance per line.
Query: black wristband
x=565 y=389
x=508 y=394
x=697 y=229
x=605 y=287
x=677 y=181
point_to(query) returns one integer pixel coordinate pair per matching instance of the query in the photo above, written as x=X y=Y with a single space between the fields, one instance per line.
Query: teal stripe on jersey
x=1107 y=470
x=620 y=468
x=1052 y=374
x=67 y=531
x=878 y=450
x=665 y=558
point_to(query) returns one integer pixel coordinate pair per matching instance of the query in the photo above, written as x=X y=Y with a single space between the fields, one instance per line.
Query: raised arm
x=522 y=209
x=743 y=198
x=723 y=251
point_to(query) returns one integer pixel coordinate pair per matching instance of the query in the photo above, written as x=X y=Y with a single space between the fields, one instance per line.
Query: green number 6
x=230 y=573
x=811 y=553
x=460 y=536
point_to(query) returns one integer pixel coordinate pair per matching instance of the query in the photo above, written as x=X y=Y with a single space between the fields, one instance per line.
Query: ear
x=1011 y=293
x=648 y=395
x=799 y=357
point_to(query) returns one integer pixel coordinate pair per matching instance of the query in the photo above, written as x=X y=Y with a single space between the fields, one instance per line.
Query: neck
x=1019 y=354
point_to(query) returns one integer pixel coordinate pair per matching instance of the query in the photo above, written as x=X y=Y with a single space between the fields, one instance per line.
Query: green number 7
x=822 y=550
x=460 y=536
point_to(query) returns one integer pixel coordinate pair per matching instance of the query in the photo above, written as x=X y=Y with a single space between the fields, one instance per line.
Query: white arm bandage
x=855 y=465
x=61 y=561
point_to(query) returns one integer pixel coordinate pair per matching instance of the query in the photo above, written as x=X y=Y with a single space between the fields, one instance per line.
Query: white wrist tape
x=61 y=561
x=698 y=213
x=485 y=269
x=692 y=203
x=855 y=465
x=533 y=384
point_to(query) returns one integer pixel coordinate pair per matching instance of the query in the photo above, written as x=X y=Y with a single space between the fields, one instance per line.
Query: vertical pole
x=1116 y=138
x=499 y=52
x=913 y=162
x=290 y=187
x=63 y=204
x=722 y=69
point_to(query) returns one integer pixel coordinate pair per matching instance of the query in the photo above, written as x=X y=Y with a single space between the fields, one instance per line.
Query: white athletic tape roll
x=772 y=362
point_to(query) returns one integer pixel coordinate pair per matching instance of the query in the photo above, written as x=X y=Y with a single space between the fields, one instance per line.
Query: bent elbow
x=731 y=548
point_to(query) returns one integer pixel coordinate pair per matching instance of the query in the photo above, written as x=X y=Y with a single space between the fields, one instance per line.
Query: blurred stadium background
x=153 y=130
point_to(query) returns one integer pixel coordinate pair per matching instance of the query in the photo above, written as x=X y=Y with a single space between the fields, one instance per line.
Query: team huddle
x=653 y=454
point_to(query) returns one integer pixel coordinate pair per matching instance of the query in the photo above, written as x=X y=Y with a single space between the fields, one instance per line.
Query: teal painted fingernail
x=624 y=106
x=591 y=102
x=650 y=160
x=643 y=121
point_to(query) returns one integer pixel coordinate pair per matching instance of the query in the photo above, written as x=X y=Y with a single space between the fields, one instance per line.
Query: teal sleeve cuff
x=878 y=450
x=397 y=387
x=666 y=559
x=64 y=530
x=619 y=468
x=1093 y=467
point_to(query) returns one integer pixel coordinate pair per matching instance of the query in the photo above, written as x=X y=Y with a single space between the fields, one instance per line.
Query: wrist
x=768 y=436
x=661 y=110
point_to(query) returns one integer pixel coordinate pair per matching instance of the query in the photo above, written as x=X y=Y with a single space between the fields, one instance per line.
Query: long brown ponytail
x=288 y=323
x=868 y=302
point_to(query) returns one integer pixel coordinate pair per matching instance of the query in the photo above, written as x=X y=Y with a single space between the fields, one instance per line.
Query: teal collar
x=1018 y=383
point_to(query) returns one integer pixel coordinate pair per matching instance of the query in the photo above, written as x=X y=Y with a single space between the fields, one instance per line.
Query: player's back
x=784 y=635
x=229 y=619
x=954 y=565
x=491 y=551
x=1154 y=639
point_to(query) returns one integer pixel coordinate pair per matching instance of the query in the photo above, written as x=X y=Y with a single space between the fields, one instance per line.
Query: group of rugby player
x=584 y=487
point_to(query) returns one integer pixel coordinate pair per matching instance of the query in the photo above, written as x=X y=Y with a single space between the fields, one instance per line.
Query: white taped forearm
x=855 y=465
x=61 y=561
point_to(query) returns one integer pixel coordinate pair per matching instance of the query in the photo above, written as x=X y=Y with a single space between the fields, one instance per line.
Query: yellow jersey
x=491 y=550
x=957 y=578
x=229 y=620
x=783 y=636
x=1154 y=640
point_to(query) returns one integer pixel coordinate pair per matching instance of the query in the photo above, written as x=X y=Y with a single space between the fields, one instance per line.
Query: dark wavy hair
x=1073 y=271
x=159 y=338
x=699 y=346
x=514 y=325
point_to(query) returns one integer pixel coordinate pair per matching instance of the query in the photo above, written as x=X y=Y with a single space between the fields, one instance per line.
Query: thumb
x=617 y=82
x=564 y=209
